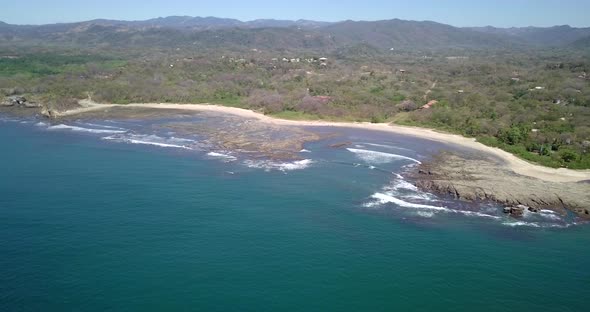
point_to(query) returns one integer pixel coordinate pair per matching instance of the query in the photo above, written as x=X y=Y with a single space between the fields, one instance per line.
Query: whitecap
x=102 y=126
x=419 y=196
x=388 y=146
x=539 y=225
x=224 y=157
x=384 y=198
x=146 y=140
x=521 y=223
x=304 y=151
x=550 y=216
x=296 y=165
x=181 y=140
x=374 y=157
x=425 y=214
x=403 y=184
x=284 y=166
x=157 y=144
x=81 y=129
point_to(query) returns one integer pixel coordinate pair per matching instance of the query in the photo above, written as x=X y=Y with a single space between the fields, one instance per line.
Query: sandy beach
x=514 y=163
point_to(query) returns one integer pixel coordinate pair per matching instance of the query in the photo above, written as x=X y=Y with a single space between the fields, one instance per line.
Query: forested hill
x=555 y=36
x=283 y=34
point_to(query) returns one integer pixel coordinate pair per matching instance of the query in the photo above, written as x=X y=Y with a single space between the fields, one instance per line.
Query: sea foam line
x=103 y=126
x=379 y=157
x=225 y=157
x=284 y=166
x=388 y=146
x=382 y=198
x=146 y=140
x=81 y=129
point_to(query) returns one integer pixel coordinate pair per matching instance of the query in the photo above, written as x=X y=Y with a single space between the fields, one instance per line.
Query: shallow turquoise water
x=92 y=225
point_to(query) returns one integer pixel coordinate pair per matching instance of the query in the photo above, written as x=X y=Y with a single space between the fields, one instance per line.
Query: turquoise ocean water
x=98 y=217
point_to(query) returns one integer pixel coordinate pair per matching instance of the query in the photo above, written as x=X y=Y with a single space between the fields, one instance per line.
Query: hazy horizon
x=459 y=13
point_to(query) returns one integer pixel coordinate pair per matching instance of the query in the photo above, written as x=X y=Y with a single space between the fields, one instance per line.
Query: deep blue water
x=95 y=224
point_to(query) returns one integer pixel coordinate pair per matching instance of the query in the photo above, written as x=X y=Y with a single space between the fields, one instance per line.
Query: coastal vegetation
x=531 y=101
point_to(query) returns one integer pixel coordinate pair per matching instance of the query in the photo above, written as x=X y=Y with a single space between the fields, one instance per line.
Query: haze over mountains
x=301 y=34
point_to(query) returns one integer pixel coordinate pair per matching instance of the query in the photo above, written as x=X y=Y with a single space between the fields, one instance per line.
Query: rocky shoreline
x=477 y=178
x=226 y=132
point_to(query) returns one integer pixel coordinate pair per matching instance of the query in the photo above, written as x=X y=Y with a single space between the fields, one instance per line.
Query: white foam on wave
x=81 y=129
x=103 y=126
x=403 y=184
x=385 y=198
x=41 y=124
x=282 y=166
x=149 y=140
x=224 y=157
x=407 y=190
x=538 y=224
x=374 y=157
x=304 y=151
x=425 y=214
x=550 y=216
x=388 y=146
x=158 y=144
x=521 y=223
x=401 y=193
x=180 y=140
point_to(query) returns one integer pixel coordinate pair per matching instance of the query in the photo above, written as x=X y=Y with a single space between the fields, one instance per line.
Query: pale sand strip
x=516 y=164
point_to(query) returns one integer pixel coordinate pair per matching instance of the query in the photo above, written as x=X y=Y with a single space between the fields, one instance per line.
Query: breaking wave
x=151 y=140
x=223 y=157
x=388 y=146
x=82 y=129
x=281 y=166
x=376 y=158
x=403 y=184
x=425 y=214
x=104 y=126
x=383 y=198
x=539 y=224
x=406 y=196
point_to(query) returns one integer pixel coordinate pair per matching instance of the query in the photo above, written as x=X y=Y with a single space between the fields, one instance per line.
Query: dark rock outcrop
x=341 y=145
x=515 y=211
x=488 y=179
x=19 y=101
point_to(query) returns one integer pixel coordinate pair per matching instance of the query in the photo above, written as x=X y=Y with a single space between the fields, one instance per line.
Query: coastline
x=511 y=161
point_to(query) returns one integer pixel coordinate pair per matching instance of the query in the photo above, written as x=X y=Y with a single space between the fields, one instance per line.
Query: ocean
x=120 y=216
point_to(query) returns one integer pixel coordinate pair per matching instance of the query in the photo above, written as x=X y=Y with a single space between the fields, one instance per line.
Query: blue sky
x=500 y=13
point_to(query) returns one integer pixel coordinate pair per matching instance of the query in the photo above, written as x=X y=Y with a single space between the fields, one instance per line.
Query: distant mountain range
x=286 y=34
x=550 y=36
